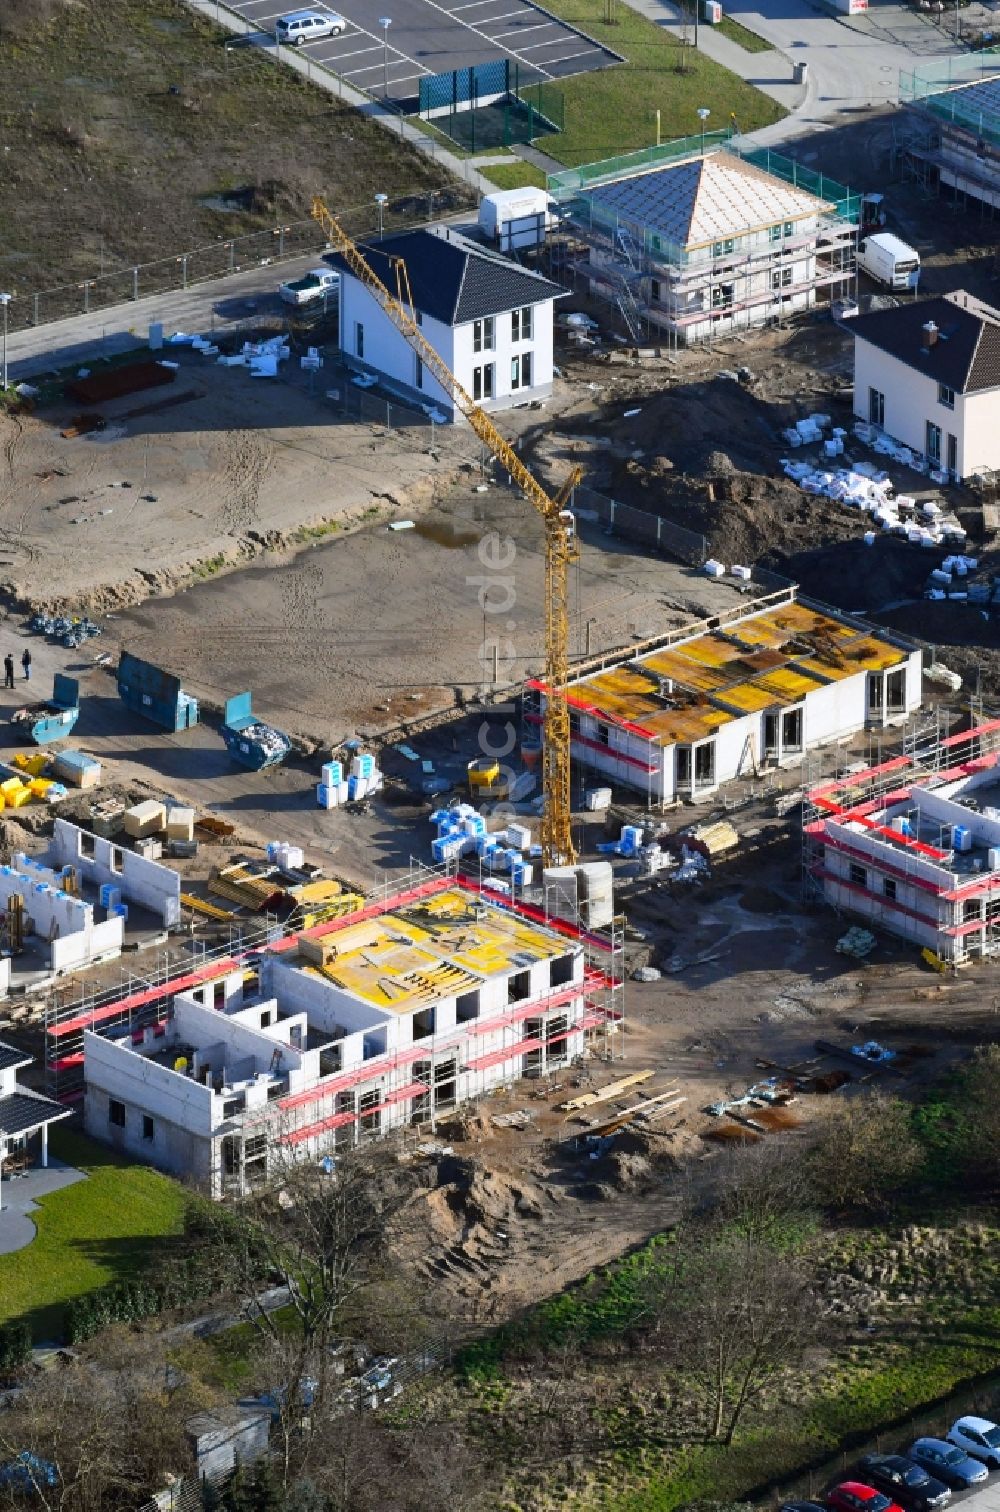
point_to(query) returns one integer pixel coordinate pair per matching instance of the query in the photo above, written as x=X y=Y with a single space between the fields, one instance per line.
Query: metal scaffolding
x=696 y=291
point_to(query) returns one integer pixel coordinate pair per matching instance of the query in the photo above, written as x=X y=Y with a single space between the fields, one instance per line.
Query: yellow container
x=12 y=785
x=19 y=798
x=39 y=786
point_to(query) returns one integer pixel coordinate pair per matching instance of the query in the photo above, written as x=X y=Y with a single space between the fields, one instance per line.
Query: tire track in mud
x=247 y=462
x=12 y=528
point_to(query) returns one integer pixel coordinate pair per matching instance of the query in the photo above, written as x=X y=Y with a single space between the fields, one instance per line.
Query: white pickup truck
x=316 y=285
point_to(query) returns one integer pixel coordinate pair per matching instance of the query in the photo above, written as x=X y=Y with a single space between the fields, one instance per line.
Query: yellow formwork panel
x=683 y=669
x=749 y=697
x=681 y=726
x=786 y=685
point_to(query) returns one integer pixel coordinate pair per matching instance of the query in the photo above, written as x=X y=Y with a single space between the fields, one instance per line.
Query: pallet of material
x=240 y=886
x=210 y=910
x=217 y=829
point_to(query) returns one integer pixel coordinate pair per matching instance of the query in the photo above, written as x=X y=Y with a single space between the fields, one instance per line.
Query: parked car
x=948 y=1463
x=315 y=285
x=855 y=1496
x=978 y=1437
x=801 y=1506
x=308 y=26
x=906 y=1482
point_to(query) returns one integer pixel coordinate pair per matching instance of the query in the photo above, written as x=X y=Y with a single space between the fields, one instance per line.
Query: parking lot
x=433 y=36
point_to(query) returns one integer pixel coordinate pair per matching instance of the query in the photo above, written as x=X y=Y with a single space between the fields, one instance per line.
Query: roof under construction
x=438 y=946
x=702 y=199
x=687 y=691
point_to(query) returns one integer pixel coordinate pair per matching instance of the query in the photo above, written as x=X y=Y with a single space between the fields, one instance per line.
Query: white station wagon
x=308 y=26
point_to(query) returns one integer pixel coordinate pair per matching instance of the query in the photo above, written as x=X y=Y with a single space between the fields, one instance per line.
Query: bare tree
x=729 y=1311
x=866 y=1154
x=321 y=1237
x=111 y=1430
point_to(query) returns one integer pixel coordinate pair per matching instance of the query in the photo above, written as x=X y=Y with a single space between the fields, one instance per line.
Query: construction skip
x=756 y=686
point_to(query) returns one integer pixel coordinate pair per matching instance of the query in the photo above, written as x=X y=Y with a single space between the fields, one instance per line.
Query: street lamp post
x=381 y=201
x=5 y=300
x=385 y=22
x=703 y=115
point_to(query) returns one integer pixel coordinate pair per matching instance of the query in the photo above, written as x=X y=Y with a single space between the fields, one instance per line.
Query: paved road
x=214 y=305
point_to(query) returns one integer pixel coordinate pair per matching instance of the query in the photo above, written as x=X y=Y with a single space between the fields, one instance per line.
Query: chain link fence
x=979 y=1400
x=638 y=525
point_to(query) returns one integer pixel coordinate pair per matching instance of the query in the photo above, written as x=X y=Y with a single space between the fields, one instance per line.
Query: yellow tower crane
x=561 y=547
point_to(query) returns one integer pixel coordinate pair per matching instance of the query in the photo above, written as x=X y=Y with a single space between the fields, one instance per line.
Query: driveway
x=19 y=1198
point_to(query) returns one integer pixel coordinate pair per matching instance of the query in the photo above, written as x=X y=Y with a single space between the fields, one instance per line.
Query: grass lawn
x=514 y=175
x=614 y=110
x=742 y=36
x=97 y=1231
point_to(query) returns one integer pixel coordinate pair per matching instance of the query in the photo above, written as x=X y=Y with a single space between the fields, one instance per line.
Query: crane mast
x=561 y=547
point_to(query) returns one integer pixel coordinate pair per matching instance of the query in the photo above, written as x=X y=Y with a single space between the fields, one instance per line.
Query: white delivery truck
x=889 y=260
x=516 y=218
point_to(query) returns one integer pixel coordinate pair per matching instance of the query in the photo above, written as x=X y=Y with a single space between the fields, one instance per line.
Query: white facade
x=903 y=867
x=241 y=1076
x=905 y=403
x=682 y=740
x=370 y=340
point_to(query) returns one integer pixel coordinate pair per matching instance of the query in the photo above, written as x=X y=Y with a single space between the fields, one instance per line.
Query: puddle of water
x=442 y=533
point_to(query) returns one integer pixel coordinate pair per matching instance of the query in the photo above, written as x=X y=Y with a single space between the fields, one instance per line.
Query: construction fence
x=637 y=525
x=494 y=104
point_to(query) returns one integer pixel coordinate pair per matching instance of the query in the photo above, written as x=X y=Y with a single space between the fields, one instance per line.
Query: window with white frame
x=522 y=323
x=781 y=278
x=482 y=335
x=520 y=372
x=482 y=382
x=946 y=396
x=359 y=339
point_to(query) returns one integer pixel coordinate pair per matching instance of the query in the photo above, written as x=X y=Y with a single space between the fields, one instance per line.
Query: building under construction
x=387 y=1017
x=912 y=845
x=703 y=236
x=757 y=686
x=952 y=137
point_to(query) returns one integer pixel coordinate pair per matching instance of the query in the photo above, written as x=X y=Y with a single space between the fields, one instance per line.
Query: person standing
x=8 y=671
x=26 y=664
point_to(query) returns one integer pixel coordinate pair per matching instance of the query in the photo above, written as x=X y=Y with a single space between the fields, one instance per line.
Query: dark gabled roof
x=452 y=279
x=964 y=357
x=23 y=1111
x=10 y=1055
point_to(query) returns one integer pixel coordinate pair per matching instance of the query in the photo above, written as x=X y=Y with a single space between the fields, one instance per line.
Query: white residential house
x=25 y=1115
x=488 y=318
x=928 y=374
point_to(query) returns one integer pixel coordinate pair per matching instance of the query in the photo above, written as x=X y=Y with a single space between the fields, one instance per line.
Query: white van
x=308 y=26
x=889 y=260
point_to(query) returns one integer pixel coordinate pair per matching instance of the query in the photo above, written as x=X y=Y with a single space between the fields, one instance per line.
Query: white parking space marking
x=520 y=31
x=498 y=29
x=486 y=37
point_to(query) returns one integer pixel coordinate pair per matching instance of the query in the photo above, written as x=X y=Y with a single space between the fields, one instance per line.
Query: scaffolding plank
x=169 y=988
x=497 y=1057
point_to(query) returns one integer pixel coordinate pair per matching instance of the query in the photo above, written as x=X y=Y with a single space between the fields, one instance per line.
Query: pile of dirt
x=744 y=516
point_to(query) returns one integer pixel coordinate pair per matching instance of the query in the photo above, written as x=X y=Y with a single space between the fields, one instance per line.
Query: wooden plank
x=587 y=1099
